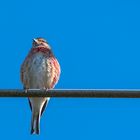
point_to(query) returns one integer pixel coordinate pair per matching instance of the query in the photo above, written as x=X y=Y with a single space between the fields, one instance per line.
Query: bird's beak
x=35 y=40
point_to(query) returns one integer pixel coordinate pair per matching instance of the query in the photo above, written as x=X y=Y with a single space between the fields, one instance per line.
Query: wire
x=87 y=93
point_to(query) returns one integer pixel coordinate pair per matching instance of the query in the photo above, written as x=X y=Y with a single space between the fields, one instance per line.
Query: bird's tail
x=35 y=123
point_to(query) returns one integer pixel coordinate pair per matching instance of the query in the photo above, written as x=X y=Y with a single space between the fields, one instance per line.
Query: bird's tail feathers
x=35 y=124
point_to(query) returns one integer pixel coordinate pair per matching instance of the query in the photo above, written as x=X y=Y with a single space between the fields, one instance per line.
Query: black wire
x=92 y=93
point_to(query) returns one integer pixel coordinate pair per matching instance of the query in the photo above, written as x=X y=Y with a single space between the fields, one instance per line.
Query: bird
x=40 y=70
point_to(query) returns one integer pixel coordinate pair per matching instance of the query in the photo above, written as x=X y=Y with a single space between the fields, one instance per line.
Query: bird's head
x=40 y=42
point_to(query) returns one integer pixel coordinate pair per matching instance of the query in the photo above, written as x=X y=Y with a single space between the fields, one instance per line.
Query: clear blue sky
x=98 y=46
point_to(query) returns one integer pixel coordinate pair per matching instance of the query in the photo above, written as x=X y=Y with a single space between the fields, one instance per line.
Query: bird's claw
x=45 y=89
x=25 y=90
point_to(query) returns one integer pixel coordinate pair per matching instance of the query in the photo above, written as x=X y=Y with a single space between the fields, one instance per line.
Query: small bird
x=40 y=70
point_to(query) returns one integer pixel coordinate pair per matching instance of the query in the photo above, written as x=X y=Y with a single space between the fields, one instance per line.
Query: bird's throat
x=41 y=49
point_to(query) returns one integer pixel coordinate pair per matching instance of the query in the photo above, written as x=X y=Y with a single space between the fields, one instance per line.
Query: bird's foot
x=45 y=89
x=26 y=90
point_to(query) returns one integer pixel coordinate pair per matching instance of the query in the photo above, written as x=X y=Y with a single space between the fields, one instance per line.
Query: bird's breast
x=39 y=71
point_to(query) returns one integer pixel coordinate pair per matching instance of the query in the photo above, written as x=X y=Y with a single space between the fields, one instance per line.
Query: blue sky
x=97 y=44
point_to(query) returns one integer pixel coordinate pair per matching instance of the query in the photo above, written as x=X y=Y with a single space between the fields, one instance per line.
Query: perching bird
x=40 y=70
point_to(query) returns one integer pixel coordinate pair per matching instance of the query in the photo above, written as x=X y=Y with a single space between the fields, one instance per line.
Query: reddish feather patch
x=57 y=71
x=40 y=49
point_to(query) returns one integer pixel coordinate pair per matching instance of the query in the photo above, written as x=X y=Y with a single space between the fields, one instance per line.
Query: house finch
x=40 y=70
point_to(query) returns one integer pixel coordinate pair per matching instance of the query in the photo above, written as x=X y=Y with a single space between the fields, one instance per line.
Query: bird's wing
x=44 y=106
x=56 y=71
x=23 y=71
x=30 y=104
